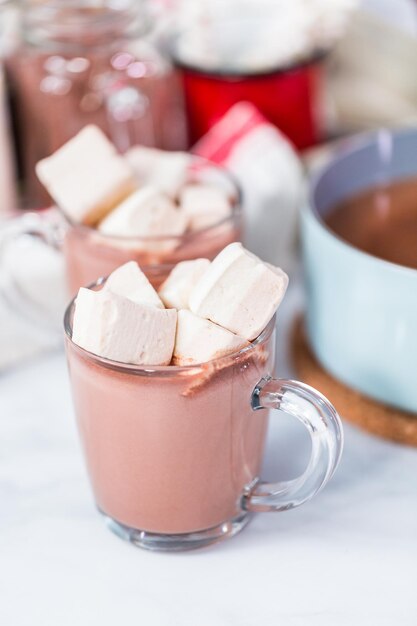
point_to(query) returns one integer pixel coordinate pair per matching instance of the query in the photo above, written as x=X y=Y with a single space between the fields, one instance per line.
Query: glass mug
x=89 y=253
x=80 y=62
x=174 y=453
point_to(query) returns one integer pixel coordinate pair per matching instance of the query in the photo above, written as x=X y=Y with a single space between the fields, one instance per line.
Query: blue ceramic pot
x=361 y=310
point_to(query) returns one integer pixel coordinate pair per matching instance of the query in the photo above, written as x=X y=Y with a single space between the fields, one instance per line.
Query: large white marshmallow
x=175 y=290
x=117 y=328
x=239 y=291
x=86 y=177
x=129 y=281
x=198 y=340
x=205 y=205
x=146 y=213
x=167 y=171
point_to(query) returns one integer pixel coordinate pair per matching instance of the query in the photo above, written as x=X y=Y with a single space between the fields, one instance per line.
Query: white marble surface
x=348 y=557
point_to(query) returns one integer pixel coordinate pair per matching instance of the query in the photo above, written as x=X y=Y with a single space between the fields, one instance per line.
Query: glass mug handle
x=320 y=418
x=11 y=291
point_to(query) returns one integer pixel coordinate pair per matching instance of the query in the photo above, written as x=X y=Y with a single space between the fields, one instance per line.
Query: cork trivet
x=370 y=415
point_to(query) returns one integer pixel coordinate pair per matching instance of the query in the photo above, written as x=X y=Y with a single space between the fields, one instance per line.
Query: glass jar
x=87 y=62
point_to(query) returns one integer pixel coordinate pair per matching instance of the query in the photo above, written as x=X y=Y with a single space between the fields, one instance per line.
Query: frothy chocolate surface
x=381 y=221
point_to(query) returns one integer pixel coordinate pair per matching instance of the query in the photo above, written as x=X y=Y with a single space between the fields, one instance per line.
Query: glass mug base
x=160 y=542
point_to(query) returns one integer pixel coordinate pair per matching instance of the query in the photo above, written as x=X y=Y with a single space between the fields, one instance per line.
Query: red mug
x=289 y=97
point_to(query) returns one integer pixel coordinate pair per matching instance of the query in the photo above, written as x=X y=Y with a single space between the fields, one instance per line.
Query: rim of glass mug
x=344 y=149
x=147 y=370
x=235 y=214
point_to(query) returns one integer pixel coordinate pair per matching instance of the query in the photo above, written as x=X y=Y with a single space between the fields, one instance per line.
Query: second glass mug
x=89 y=253
x=174 y=453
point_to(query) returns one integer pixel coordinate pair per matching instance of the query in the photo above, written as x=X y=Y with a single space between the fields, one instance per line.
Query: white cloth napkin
x=271 y=176
x=32 y=292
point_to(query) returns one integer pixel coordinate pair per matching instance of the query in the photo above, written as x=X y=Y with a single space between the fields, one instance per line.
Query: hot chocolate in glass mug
x=174 y=451
x=165 y=207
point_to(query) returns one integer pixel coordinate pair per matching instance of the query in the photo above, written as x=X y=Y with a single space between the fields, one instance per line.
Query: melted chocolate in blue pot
x=381 y=221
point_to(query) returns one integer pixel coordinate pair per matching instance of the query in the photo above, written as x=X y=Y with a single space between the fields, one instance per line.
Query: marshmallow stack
x=166 y=171
x=175 y=291
x=129 y=281
x=116 y=328
x=198 y=340
x=146 y=194
x=239 y=291
x=146 y=213
x=86 y=177
x=217 y=309
x=204 y=205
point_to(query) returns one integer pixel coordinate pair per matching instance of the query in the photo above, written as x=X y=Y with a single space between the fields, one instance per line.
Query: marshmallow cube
x=205 y=205
x=198 y=340
x=129 y=281
x=239 y=291
x=146 y=213
x=167 y=171
x=175 y=290
x=86 y=177
x=116 y=328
